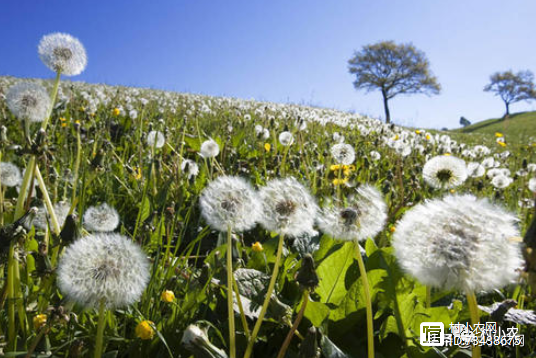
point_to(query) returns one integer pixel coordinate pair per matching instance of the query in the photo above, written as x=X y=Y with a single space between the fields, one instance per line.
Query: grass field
x=519 y=127
x=299 y=249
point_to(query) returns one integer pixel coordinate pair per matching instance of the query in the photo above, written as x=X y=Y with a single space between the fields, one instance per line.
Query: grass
x=519 y=127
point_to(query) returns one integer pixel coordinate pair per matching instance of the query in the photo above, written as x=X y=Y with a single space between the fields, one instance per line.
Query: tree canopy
x=393 y=69
x=512 y=87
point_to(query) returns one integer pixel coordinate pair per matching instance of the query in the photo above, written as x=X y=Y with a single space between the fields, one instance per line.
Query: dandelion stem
x=241 y=308
x=11 y=299
x=53 y=219
x=52 y=100
x=475 y=319
x=264 y=308
x=295 y=325
x=232 y=344
x=100 y=329
x=368 y=302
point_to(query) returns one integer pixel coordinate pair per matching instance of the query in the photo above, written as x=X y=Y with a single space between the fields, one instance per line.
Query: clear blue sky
x=283 y=50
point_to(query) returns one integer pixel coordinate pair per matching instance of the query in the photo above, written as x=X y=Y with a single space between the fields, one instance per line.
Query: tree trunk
x=386 y=107
x=507 y=114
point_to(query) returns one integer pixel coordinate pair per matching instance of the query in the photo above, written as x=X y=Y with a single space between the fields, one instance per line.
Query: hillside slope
x=520 y=126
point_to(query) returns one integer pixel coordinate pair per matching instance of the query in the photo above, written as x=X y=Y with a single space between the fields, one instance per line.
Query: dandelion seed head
x=343 y=153
x=190 y=167
x=9 y=174
x=61 y=209
x=287 y=208
x=501 y=181
x=364 y=216
x=286 y=138
x=532 y=185
x=156 y=139
x=209 y=149
x=28 y=101
x=459 y=242
x=101 y=218
x=103 y=266
x=475 y=170
x=444 y=172
x=230 y=201
x=63 y=52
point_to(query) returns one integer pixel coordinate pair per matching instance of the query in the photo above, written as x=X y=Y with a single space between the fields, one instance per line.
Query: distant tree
x=393 y=69
x=464 y=122
x=512 y=87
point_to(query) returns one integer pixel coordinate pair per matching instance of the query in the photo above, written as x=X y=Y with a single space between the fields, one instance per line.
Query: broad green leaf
x=332 y=271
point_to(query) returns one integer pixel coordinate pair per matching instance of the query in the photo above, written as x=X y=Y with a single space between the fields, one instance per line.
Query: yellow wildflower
x=116 y=111
x=418 y=131
x=257 y=247
x=334 y=167
x=338 y=181
x=39 y=321
x=428 y=137
x=392 y=228
x=267 y=147
x=167 y=296
x=144 y=330
x=498 y=134
x=502 y=144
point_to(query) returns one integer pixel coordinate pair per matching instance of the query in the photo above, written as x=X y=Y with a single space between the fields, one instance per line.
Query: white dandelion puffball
x=190 y=168
x=63 y=53
x=61 y=209
x=230 y=201
x=363 y=217
x=209 y=149
x=103 y=266
x=286 y=138
x=501 y=181
x=101 y=218
x=156 y=139
x=459 y=242
x=343 y=153
x=375 y=156
x=532 y=185
x=9 y=174
x=287 y=208
x=28 y=101
x=475 y=170
x=444 y=172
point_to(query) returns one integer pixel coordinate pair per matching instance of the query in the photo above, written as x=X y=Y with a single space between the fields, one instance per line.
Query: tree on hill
x=512 y=87
x=393 y=69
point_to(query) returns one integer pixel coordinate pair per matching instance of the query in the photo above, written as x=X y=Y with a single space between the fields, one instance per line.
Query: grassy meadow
x=96 y=150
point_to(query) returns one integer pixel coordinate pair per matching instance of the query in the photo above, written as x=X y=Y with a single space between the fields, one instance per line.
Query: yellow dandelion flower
x=428 y=137
x=502 y=144
x=499 y=135
x=418 y=131
x=392 y=228
x=77 y=121
x=167 y=296
x=39 y=321
x=267 y=147
x=338 y=181
x=144 y=330
x=137 y=173
x=447 y=154
x=452 y=191
x=257 y=247
x=63 y=124
x=116 y=111
x=334 y=167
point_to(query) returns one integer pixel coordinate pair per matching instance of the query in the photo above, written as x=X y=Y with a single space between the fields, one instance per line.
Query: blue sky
x=283 y=50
